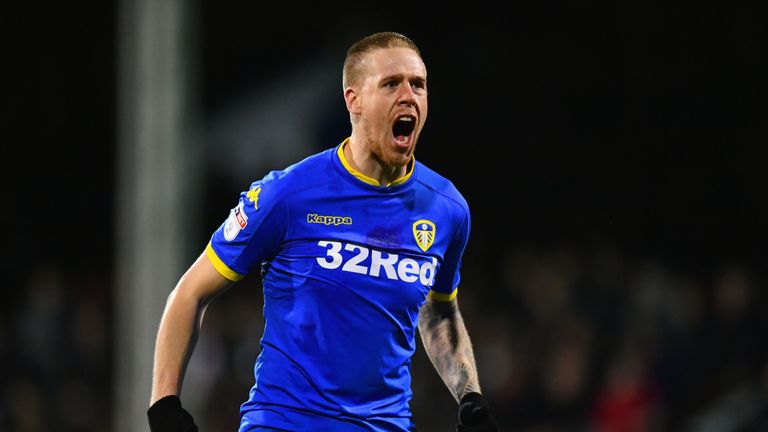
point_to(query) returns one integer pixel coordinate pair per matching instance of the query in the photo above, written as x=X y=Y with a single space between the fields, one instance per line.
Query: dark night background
x=612 y=156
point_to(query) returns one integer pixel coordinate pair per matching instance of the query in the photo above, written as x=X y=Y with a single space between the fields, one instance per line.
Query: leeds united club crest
x=424 y=233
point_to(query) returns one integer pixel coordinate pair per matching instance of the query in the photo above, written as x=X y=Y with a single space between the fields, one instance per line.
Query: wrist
x=167 y=414
x=473 y=409
x=169 y=400
x=156 y=399
x=471 y=396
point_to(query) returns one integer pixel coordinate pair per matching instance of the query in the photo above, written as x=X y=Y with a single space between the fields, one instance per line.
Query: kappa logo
x=424 y=233
x=328 y=220
x=253 y=195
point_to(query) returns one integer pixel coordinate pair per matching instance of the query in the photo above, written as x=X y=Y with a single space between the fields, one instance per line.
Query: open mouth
x=403 y=128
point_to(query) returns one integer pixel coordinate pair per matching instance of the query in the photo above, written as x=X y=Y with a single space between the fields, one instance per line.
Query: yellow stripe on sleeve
x=443 y=297
x=220 y=266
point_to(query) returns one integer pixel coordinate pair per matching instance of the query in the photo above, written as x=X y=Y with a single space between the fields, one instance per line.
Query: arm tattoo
x=448 y=346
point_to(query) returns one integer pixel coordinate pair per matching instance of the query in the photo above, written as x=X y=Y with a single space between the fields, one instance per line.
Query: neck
x=362 y=159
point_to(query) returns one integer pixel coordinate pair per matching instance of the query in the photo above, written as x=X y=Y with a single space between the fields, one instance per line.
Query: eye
x=418 y=85
x=391 y=84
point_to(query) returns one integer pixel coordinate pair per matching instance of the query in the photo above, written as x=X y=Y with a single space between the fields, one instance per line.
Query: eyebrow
x=400 y=77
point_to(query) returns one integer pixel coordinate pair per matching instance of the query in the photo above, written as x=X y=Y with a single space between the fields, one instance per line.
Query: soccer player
x=356 y=245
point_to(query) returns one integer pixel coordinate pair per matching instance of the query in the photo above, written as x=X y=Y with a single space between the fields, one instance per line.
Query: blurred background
x=612 y=156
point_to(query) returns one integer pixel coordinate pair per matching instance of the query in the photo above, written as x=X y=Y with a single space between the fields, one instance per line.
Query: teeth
x=405 y=119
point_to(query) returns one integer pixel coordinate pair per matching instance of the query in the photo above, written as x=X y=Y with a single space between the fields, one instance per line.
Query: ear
x=352 y=100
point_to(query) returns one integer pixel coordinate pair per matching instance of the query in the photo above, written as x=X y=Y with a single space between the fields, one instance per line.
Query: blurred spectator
x=57 y=371
x=628 y=400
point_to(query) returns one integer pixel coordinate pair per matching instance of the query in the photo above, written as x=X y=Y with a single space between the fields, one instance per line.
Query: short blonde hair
x=355 y=53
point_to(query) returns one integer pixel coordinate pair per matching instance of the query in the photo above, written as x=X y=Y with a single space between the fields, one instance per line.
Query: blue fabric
x=346 y=267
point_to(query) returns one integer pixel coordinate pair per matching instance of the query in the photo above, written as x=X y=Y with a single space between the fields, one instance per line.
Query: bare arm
x=448 y=346
x=180 y=325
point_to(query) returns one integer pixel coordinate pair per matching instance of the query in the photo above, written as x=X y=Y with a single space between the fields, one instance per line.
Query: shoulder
x=302 y=175
x=449 y=203
x=442 y=187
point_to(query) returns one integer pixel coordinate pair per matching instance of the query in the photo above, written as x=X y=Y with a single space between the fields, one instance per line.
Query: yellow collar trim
x=370 y=180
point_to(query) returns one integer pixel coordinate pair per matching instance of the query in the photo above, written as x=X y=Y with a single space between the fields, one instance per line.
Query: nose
x=407 y=97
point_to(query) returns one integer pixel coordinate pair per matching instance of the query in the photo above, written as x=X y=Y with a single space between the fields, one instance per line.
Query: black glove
x=167 y=415
x=475 y=414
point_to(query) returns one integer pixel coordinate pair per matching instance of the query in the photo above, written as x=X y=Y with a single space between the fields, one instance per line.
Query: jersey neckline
x=341 y=163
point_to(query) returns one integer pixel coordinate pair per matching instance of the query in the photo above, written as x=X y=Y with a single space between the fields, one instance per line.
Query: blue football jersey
x=346 y=264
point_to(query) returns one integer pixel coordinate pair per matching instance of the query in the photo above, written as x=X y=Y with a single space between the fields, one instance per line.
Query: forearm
x=176 y=339
x=448 y=346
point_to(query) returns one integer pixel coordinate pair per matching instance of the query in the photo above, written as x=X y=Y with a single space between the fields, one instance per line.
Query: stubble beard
x=390 y=157
x=387 y=156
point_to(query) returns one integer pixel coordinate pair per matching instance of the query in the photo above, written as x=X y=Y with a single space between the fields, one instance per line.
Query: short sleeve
x=447 y=279
x=252 y=232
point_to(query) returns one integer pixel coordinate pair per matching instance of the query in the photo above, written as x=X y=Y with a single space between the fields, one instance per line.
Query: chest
x=386 y=248
x=409 y=224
